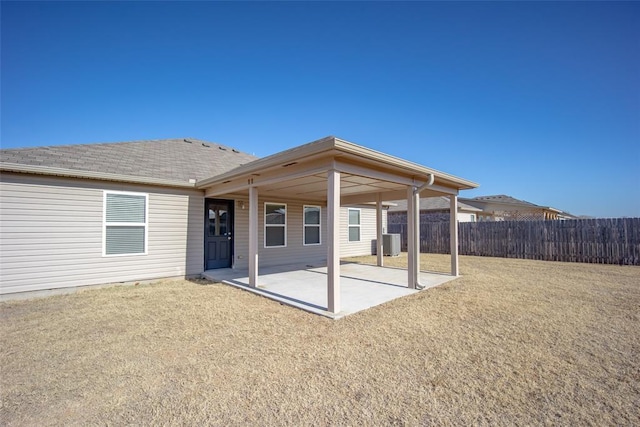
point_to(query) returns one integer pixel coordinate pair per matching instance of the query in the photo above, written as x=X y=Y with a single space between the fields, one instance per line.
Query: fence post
x=453 y=233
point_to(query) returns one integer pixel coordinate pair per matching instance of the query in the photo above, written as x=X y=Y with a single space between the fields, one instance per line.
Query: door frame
x=232 y=226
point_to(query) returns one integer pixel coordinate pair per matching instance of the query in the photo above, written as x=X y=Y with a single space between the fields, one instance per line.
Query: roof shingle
x=503 y=199
x=164 y=159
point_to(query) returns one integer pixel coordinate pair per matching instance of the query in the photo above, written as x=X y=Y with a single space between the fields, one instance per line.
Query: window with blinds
x=354 y=225
x=311 y=225
x=125 y=223
x=275 y=225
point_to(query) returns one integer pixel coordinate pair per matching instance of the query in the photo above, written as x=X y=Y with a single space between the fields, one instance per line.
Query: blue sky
x=540 y=101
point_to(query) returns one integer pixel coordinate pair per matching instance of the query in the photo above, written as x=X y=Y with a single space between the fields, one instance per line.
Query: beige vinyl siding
x=467 y=217
x=366 y=245
x=51 y=234
x=295 y=252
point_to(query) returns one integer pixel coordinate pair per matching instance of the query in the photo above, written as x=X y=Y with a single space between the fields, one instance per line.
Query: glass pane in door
x=218 y=220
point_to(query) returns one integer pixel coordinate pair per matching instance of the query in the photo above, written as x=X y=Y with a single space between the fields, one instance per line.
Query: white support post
x=410 y=236
x=379 y=243
x=453 y=231
x=416 y=238
x=333 y=241
x=253 y=237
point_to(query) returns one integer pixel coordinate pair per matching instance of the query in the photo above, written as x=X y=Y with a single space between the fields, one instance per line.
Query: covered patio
x=333 y=173
x=303 y=286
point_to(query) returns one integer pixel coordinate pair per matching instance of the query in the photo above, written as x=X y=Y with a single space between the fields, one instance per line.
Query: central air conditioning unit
x=390 y=244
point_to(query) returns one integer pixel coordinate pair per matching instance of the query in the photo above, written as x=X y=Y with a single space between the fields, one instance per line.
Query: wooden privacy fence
x=602 y=241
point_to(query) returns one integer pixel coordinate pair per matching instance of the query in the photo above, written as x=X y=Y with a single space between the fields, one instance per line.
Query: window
x=275 y=225
x=354 y=225
x=311 y=225
x=125 y=223
x=472 y=217
x=218 y=219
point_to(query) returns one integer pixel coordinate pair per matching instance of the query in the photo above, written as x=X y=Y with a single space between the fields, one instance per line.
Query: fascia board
x=74 y=173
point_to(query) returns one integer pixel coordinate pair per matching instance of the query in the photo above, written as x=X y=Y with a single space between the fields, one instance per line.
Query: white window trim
x=354 y=225
x=319 y=225
x=125 y=224
x=286 y=218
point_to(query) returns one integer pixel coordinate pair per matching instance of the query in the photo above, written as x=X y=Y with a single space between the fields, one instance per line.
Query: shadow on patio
x=305 y=286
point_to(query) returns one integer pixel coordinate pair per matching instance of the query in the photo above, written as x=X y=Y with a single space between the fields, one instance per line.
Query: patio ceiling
x=301 y=173
x=314 y=187
x=316 y=184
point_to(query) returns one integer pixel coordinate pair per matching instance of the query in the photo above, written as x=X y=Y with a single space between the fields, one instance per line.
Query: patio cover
x=338 y=172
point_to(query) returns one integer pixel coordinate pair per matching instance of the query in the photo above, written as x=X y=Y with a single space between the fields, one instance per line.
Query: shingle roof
x=163 y=159
x=503 y=199
x=431 y=204
x=513 y=202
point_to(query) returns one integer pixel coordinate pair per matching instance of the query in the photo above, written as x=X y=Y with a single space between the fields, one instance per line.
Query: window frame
x=286 y=214
x=305 y=225
x=106 y=224
x=349 y=225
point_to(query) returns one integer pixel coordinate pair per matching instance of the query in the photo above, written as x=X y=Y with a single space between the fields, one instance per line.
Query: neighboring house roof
x=180 y=161
x=504 y=200
x=511 y=203
x=501 y=198
x=432 y=204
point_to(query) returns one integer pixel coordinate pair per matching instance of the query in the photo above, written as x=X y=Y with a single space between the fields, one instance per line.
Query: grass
x=511 y=342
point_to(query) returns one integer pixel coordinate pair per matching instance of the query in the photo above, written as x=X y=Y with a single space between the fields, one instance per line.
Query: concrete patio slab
x=305 y=286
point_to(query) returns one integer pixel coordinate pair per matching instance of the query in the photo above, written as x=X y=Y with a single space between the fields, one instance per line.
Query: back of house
x=89 y=214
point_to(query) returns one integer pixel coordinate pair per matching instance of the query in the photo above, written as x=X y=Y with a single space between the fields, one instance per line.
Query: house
x=507 y=208
x=432 y=209
x=80 y=215
x=483 y=208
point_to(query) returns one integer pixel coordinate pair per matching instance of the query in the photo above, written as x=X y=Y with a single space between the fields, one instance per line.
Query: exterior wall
x=51 y=234
x=521 y=215
x=400 y=217
x=366 y=245
x=505 y=212
x=295 y=252
x=467 y=217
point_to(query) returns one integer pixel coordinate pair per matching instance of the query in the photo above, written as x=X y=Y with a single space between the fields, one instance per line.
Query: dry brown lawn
x=513 y=342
